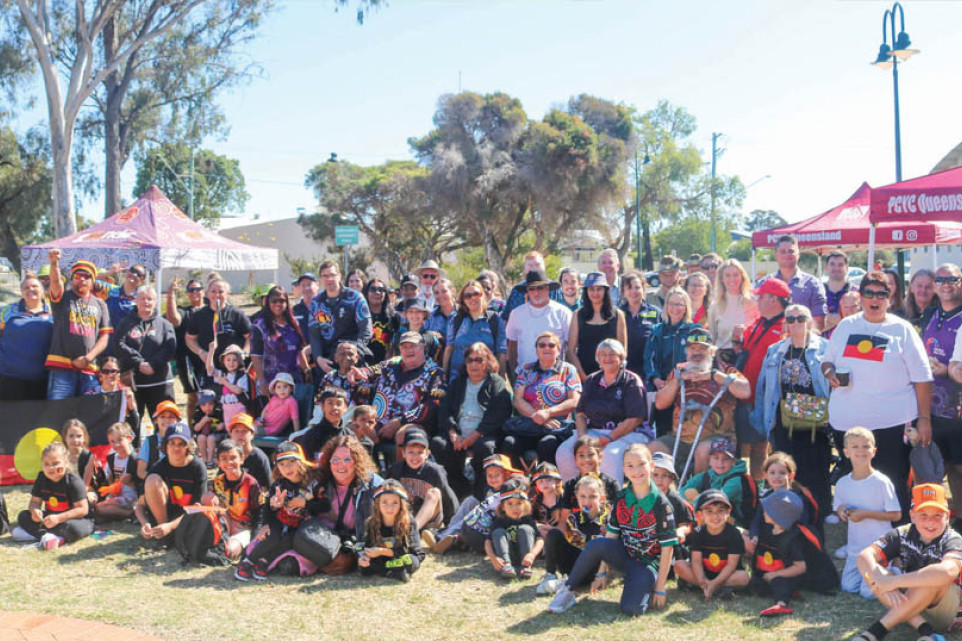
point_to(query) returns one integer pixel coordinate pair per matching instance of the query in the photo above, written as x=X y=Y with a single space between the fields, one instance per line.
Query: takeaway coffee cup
x=844 y=376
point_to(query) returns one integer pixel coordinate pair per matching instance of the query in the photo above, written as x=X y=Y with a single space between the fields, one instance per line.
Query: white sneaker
x=842 y=552
x=548 y=579
x=563 y=601
x=20 y=535
x=50 y=541
x=832 y=519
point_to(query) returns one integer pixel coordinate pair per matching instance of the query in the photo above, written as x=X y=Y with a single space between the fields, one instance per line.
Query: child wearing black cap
x=716 y=549
x=514 y=539
x=391 y=546
x=426 y=482
x=779 y=558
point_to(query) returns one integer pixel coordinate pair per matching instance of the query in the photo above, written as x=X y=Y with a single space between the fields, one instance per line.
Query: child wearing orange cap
x=166 y=414
x=925 y=594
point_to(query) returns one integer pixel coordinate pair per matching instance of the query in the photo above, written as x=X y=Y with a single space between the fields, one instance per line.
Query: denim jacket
x=768 y=390
x=665 y=349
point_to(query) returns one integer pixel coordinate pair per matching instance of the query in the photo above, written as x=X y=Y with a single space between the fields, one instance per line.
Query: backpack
x=201 y=537
x=4 y=517
x=749 y=495
x=820 y=575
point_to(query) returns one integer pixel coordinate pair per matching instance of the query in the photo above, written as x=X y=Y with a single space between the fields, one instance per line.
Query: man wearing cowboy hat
x=533 y=262
x=81 y=331
x=429 y=272
x=539 y=314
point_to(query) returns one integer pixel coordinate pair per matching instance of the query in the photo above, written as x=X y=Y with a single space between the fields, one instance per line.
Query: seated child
x=925 y=594
x=426 y=482
x=333 y=402
x=588 y=454
x=208 y=425
x=866 y=500
x=120 y=494
x=471 y=524
x=175 y=482
x=546 y=502
x=639 y=542
x=219 y=536
x=562 y=547
x=80 y=461
x=281 y=415
x=514 y=539
x=664 y=474
x=391 y=546
x=256 y=463
x=363 y=422
x=716 y=549
x=726 y=473
x=166 y=414
x=780 y=471
x=58 y=512
x=291 y=500
x=779 y=559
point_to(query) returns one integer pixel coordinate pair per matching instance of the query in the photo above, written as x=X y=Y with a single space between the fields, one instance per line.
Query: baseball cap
x=206 y=396
x=411 y=337
x=664 y=461
x=775 y=286
x=420 y=303
x=502 y=461
x=410 y=279
x=416 y=436
x=669 y=263
x=242 y=420
x=390 y=486
x=929 y=495
x=699 y=336
x=309 y=275
x=709 y=496
x=723 y=444
x=178 y=430
x=167 y=406
x=288 y=450
x=784 y=507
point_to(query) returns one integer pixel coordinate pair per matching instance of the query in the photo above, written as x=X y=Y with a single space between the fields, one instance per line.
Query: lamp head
x=884 y=59
x=903 y=50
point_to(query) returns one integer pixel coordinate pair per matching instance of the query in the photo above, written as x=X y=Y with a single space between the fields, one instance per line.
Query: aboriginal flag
x=28 y=426
x=866 y=348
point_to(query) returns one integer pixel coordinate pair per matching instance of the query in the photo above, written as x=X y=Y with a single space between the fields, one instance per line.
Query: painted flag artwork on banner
x=29 y=426
x=866 y=348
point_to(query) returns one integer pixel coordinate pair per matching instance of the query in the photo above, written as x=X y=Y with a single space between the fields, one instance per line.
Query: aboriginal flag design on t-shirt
x=866 y=348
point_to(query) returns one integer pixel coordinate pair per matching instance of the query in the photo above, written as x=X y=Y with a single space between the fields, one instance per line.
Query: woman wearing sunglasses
x=473 y=323
x=277 y=345
x=109 y=375
x=189 y=366
x=792 y=373
x=888 y=382
x=385 y=321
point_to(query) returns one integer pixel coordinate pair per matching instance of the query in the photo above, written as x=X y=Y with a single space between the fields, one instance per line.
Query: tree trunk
x=113 y=156
x=64 y=220
x=9 y=245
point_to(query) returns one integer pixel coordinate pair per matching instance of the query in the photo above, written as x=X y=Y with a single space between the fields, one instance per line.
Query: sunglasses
x=710 y=266
x=429 y=276
x=879 y=294
x=109 y=372
x=474 y=359
x=545 y=345
x=378 y=290
x=941 y=280
x=537 y=288
x=194 y=290
x=277 y=300
x=137 y=274
x=83 y=276
x=470 y=295
x=795 y=319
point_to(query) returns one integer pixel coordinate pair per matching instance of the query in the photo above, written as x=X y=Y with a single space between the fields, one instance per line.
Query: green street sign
x=346 y=235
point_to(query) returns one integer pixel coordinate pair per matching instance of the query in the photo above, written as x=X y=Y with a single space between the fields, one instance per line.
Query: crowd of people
x=598 y=422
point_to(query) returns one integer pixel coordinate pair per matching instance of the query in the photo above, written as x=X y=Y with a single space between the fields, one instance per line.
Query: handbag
x=804 y=412
x=523 y=426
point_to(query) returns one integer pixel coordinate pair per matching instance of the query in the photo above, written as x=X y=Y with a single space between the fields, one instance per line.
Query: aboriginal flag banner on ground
x=26 y=427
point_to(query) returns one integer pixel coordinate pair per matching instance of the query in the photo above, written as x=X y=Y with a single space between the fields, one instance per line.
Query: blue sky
x=788 y=84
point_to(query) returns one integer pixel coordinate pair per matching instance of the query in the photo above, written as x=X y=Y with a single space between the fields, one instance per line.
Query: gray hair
x=612 y=344
x=146 y=289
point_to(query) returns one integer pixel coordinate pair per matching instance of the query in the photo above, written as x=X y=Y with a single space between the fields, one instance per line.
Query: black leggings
x=406 y=564
x=70 y=531
x=780 y=588
x=279 y=541
x=453 y=462
x=559 y=555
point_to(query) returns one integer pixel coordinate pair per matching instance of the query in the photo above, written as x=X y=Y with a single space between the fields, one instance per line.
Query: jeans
x=559 y=555
x=639 y=577
x=70 y=531
x=453 y=461
x=67 y=383
x=509 y=551
x=613 y=453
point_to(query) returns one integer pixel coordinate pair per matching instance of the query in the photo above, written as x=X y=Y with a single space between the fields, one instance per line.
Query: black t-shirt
x=418 y=482
x=680 y=508
x=570 y=502
x=794 y=374
x=313 y=440
x=384 y=326
x=778 y=551
x=185 y=484
x=512 y=526
x=58 y=496
x=259 y=466
x=233 y=327
x=715 y=548
x=216 y=418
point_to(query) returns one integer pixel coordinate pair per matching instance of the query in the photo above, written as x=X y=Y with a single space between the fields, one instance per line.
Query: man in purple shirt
x=806 y=290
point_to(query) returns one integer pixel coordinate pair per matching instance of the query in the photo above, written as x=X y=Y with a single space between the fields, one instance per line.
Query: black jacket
x=494 y=397
x=149 y=340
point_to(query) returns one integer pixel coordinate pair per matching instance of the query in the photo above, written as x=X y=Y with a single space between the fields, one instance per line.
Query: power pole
x=714 y=162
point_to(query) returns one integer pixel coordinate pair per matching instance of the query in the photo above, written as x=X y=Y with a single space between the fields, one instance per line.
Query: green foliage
x=25 y=182
x=760 y=219
x=218 y=184
x=256 y=292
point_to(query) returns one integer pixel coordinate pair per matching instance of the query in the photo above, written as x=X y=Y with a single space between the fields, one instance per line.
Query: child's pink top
x=278 y=414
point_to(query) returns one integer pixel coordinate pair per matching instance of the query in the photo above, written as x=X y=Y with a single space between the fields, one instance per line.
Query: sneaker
x=931 y=637
x=444 y=544
x=508 y=572
x=776 y=610
x=428 y=540
x=832 y=519
x=50 y=541
x=244 y=571
x=524 y=572
x=842 y=553
x=724 y=594
x=549 y=584
x=20 y=535
x=260 y=570
x=563 y=601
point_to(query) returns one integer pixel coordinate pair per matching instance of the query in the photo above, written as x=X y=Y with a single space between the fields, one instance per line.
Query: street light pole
x=890 y=57
x=639 y=263
x=714 y=162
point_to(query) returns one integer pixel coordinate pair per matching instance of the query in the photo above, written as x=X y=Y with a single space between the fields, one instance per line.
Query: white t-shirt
x=875 y=492
x=527 y=322
x=884 y=359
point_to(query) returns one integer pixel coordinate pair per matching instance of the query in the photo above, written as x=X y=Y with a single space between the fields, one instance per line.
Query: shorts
x=942 y=614
x=947 y=434
x=242 y=538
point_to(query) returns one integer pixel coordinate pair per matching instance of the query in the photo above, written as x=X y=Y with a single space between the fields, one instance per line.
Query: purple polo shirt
x=606 y=406
x=832 y=299
x=938 y=336
x=806 y=290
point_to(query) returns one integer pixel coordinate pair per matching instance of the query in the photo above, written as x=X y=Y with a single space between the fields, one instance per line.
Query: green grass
x=452 y=597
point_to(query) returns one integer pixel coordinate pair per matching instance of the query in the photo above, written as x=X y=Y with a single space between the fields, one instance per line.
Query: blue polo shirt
x=24 y=341
x=472 y=331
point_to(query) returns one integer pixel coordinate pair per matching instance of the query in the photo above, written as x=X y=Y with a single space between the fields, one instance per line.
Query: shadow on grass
x=586 y=614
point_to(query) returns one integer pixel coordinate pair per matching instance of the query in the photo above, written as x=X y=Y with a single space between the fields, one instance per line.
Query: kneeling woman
x=643 y=554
